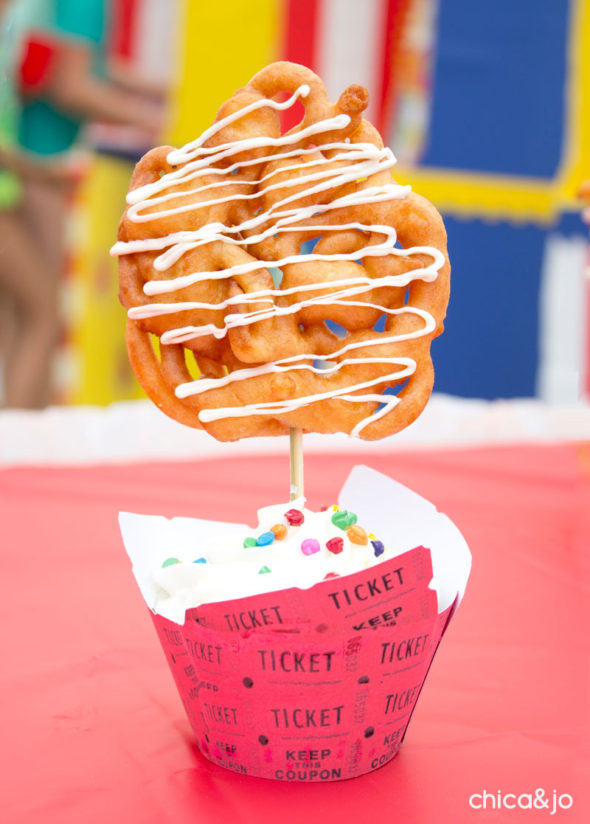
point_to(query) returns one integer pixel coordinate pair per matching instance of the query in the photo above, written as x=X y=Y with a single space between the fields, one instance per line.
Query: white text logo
x=540 y=799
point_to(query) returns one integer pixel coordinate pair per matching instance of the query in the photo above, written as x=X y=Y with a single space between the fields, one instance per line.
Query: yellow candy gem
x=335 y=508
x=372 y=537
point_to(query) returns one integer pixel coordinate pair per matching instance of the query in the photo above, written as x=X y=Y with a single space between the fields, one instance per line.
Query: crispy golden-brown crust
x=284 y=335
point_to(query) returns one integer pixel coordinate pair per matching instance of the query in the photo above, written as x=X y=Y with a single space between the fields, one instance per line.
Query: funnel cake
x=305 y=283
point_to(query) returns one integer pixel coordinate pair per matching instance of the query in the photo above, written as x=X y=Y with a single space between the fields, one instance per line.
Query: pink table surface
x=93 y=729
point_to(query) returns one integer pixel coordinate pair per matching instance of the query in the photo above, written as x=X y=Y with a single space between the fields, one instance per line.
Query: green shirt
x=44 y=128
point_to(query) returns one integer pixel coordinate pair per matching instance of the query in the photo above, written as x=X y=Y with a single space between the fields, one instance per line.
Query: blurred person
x=65 y=83
x=28 y=317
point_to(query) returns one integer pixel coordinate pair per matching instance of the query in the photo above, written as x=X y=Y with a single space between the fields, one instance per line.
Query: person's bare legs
x=43 y=212
x=30 y=332
x=8 y=328
x=44 y=209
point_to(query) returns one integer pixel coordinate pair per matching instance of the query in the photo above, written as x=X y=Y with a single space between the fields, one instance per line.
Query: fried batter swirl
x=306 y=283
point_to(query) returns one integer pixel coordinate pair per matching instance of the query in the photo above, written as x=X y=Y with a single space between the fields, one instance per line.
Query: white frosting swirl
x=232 y=570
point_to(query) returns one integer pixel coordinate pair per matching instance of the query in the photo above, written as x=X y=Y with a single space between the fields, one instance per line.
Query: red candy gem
x=335 y=545
x=331 y=575
x=294 y=517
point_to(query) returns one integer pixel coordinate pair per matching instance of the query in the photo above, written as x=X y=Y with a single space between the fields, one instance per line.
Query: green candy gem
x=263 y=569
x=250 y=542
x=170 y=562
x=343 y=519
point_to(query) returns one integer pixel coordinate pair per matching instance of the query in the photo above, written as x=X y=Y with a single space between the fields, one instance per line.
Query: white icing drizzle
x=362 y=161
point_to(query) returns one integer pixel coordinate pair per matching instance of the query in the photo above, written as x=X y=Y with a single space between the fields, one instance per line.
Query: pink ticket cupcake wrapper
x=309 y=685
x=313 y=682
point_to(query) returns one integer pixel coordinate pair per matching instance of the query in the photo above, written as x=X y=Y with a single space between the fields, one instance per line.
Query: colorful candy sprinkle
x=294 y=517
x=169 y=562
x=279 y=531
x=310 y=546
x=265 y=539
x=335 y=545
x=250 y=542
x=200 y=561
x=263 y=570
x=329 y=575
x=378 y=548
x=357 y=535
x=342 y=518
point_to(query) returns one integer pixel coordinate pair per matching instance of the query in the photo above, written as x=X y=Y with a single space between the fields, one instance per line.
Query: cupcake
x=300 y=647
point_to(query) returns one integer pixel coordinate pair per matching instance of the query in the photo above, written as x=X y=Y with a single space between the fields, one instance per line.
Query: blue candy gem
x=265 y=539
x=200 y=561
x=378 y=548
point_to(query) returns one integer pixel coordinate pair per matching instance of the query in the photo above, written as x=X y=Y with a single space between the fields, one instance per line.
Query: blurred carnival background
x=486 y=106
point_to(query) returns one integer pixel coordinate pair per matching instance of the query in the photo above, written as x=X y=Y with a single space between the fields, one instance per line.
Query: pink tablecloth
x=92 y=726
